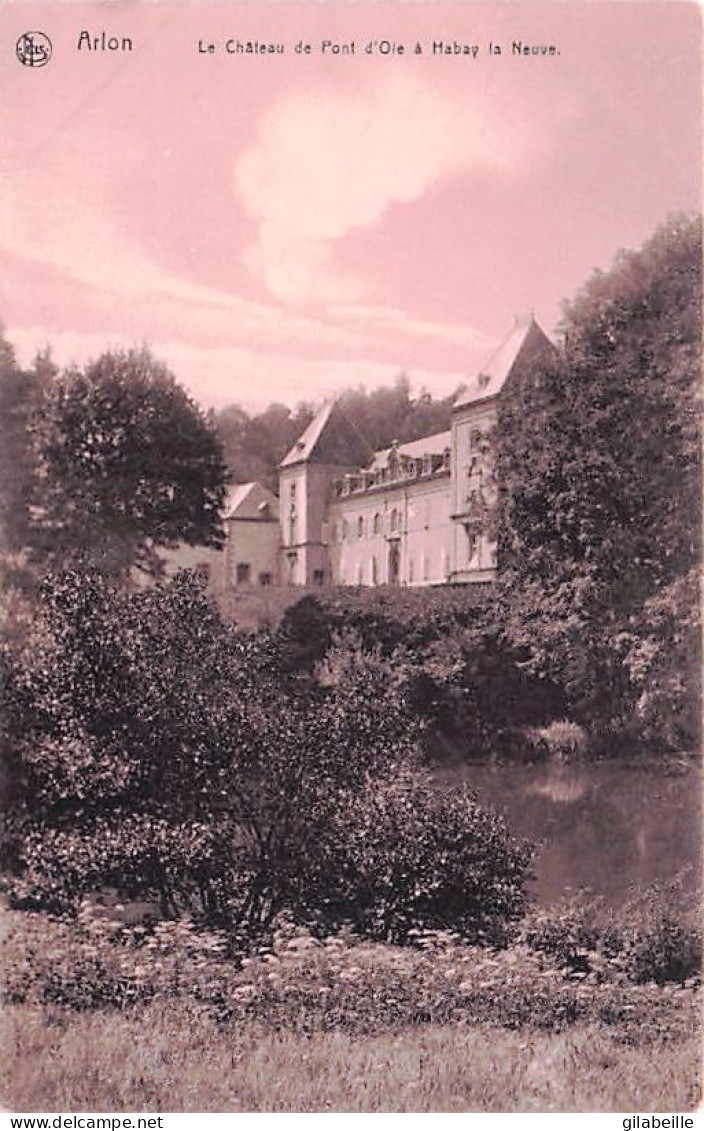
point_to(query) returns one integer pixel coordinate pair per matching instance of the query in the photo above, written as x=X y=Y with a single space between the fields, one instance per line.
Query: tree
x=598 y=469
x=255 y=446
x=126 y=463
x=163 y=753
x=20 y=392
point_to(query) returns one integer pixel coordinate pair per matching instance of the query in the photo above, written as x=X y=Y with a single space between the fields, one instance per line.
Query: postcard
x=350 y=640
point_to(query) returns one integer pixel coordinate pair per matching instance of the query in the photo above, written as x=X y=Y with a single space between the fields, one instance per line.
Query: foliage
x=656 y=939
x=663 y=661
x=599 y=471
x=339 y=983
x=407 y=855
x=20 y=392
x=126 y=463
x=560 y=741
x=163 y=752
x=462 y=676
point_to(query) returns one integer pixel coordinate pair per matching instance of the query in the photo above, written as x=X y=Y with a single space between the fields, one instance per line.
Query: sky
x=278 y=227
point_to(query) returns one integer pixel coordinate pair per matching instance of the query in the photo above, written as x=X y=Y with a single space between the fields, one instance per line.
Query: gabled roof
x=305 y=445
x=329 y=438
x=524 y=344
x=427 y=445
x=247 y=500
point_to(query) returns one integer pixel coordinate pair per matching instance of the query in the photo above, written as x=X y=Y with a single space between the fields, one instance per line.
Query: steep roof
x=329 y=438
x=427 y=445
x=245 y=500
x=524 y=344
x=305 y=445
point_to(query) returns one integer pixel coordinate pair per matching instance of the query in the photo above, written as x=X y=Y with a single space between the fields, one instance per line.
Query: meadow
x=155 y=1061
x=570 y=1015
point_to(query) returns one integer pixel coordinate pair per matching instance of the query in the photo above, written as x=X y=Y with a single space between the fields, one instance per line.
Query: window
x=375 y=571
x=475 y=440
x=360 y=527
x=360 y=575
x=471 y=544
x=426 y=567
x=318 y=576
x=243 y=572
x=394 y=521
x=293 y=492
x=475 y=475
x=264 y=579
x=377 y=523
x=410 y=569
x=345 y=529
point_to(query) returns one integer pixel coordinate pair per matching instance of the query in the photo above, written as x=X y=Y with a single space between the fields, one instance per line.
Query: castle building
x=409 y=515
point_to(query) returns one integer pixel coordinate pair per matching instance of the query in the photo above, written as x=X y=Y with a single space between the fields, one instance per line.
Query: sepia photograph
x=350 y=559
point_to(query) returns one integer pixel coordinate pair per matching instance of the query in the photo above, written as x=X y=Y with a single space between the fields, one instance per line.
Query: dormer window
x=483 y=380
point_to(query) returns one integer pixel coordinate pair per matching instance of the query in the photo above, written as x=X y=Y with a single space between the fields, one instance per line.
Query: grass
x=149 y=1060
x=570 y=1016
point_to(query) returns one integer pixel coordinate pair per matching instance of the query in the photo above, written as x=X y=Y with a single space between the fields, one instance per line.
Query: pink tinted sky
x=278 y=228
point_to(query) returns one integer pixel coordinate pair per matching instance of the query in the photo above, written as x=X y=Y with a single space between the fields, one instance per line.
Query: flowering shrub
x=343 y=981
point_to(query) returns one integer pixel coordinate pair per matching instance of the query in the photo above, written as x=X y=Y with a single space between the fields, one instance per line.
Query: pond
x=602 y=826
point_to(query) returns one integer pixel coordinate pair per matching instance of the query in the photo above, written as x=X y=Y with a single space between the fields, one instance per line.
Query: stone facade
x=252 y=550
x=410 y=515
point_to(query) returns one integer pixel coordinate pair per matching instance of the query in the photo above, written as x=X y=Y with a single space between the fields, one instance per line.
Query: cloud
x=385 y=318
x=251 y=377
x=327 y=163
x=66 y=230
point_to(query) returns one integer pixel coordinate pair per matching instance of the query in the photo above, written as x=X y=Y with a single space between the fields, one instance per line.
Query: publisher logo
x=33 y=49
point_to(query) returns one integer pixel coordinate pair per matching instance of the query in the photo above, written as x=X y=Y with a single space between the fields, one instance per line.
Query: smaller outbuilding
x=252 y=551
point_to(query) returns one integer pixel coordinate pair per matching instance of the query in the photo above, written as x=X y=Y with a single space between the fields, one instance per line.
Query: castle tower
x=328 y=449
x=473 y=419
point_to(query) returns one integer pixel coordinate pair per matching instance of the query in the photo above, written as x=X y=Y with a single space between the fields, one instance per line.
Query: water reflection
x=604 y=826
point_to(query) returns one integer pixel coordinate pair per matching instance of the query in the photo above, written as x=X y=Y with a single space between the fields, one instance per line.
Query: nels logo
x=33 y=49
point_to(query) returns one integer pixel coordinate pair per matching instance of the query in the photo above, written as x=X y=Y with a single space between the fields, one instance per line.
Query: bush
x=166 y=754
x=463 y=679
x=665 y=938
x=655 y=939
x=561 y=741
x=404 y=856
x=669 y=952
